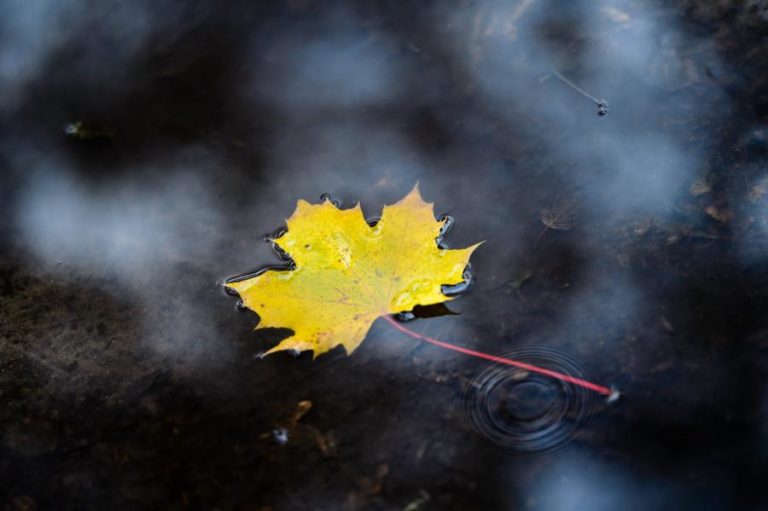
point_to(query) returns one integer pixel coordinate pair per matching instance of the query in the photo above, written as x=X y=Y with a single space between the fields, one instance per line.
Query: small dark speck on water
x=405 y=316
x=602 y=108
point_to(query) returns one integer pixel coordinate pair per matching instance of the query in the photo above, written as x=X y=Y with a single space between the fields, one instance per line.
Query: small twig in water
x=602 y=105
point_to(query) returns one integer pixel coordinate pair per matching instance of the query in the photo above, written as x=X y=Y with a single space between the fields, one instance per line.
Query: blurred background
x=613 y=155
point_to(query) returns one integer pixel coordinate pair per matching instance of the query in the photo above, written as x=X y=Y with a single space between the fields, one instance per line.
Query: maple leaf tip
x=301 y=205
x=284 y=345
x=470 y=249
x=272 y=351
x=414 y=196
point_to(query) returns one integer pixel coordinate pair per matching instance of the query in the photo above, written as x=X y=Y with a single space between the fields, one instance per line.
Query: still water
x=612 y=154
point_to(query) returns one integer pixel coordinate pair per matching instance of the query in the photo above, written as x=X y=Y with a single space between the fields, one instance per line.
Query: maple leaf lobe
x=348 y=273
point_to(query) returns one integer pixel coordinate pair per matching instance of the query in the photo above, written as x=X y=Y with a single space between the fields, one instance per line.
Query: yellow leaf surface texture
x=347 y=273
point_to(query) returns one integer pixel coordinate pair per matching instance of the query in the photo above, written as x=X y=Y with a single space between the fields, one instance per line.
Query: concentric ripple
x=521 y=412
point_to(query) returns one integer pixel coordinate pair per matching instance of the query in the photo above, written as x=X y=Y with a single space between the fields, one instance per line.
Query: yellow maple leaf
x=347 y=273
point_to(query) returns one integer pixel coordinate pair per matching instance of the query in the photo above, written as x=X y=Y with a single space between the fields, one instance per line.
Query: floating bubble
x=404 y=317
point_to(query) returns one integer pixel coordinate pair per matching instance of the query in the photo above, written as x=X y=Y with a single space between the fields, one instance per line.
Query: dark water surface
x=147 y=146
